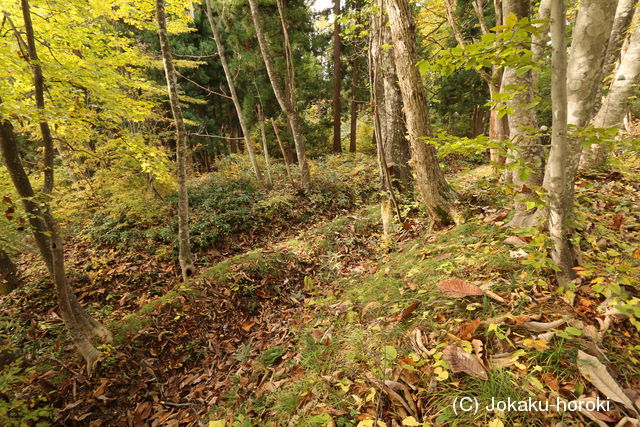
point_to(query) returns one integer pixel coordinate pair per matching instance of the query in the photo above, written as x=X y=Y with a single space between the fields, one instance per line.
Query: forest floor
x=326 y=322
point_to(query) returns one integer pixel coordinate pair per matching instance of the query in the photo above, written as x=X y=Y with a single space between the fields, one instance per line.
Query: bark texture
x=9 y=279
x=590 y=35
x=337 y=79
x=80 y=325
x=233 y=92
x=562 y=252
x=621 y=23
x=616 y=104
x=434 y=190
x=388 y=106
x=186 y=262
x=38 y=86
x=521 y=120
x=287 y=103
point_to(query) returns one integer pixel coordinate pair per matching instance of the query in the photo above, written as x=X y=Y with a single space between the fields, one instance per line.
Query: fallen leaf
x=596 y=373
x=410 y=421
x=514 y=241
x=461 y=361
x=636 y=253
x=404 y=314
x=539 y=345
x=466 y=330
x=457 y=288
x=544 y=326
x=247 y=325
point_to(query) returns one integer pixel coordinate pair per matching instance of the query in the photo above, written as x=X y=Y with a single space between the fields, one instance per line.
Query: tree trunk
x=590 y=32
x=285 y=155
x=9 y=279
x=521 y=120
x=434 y=190
x=38 y=85
x=558 y=215
x=265 y=148
x=80 y=325
x=287 y=104
x=234 y=94
x=186 y=263
x=616 y=104
x=353 y=116
x=388 y=100
x=337 y=79
x=621 y=23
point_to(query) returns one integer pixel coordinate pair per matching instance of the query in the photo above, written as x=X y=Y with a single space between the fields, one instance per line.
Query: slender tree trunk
x=337 y=79
x=80 y=325
x=521 y=120
x=265 y=148
x=558 y=215
x=234 y=94
x=285 y=155
x=186 y=263
x=353 y=116
x=287 y=104
x=496 y=130
x=616 y=104
x=9 y=279
x=434 y=190
x=38 y=85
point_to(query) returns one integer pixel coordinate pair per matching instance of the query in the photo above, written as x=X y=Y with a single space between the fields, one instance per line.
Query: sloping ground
x=340 y=326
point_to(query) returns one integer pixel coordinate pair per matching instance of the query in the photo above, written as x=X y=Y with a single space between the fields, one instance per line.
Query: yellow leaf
x=410 y=421
x=496 y=423
x=539 y=345
x=217 y=423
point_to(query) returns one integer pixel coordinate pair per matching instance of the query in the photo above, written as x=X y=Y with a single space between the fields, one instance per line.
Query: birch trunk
x=558 y=214
x=80 y=325
x=616 y=103
x=186 y=262
x=434 y=190
x=287 y=103
x=233 y=92
x=38 y=85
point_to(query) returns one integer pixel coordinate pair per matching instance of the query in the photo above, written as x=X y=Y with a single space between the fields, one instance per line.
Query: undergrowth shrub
x=229 y=202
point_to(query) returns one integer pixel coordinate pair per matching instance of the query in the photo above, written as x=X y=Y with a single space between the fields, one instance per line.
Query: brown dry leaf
x=596 y=373
x=542 y=326
x=457 y=288
x=404 y=314
x=247 y=325
x=514 y=241
x=461 y=361
x=466 y=330
x=442 y=256
x=101 y=388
